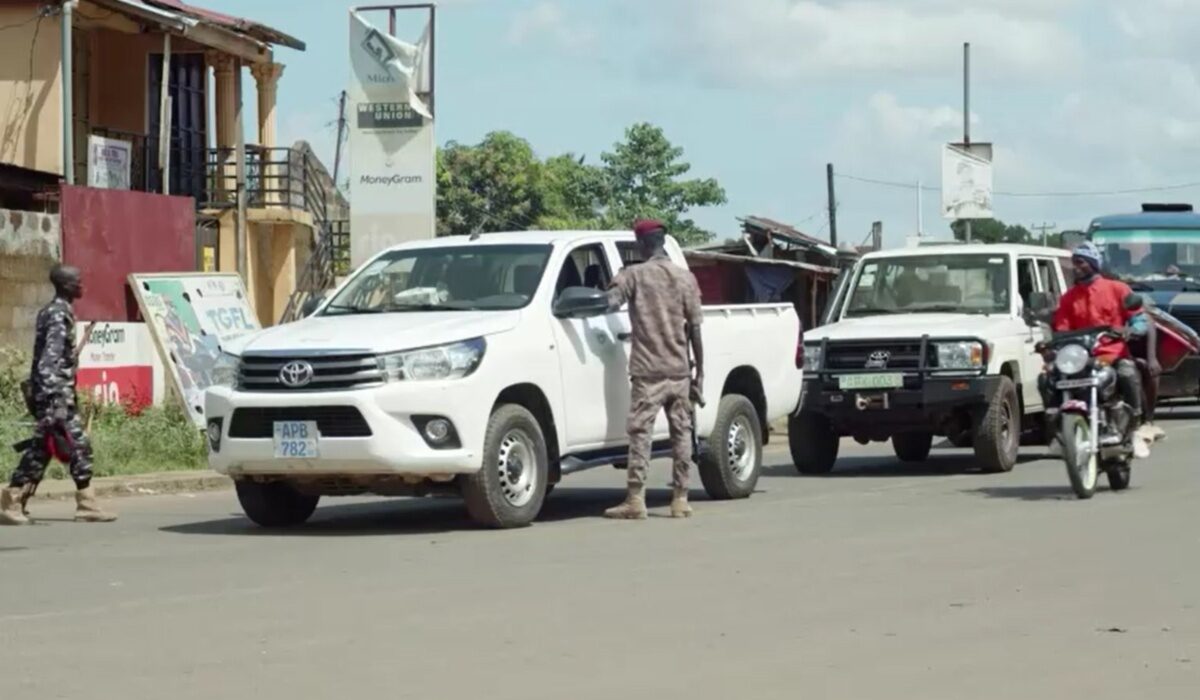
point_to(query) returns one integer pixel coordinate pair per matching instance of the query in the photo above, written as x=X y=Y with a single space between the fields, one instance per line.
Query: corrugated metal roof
x=248 y=27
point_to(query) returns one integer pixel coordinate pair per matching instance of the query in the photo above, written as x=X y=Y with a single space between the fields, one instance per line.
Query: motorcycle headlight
x=1071 y=359
x=961 y=355
x=225 y=370
x=442 y=362
x=812 y=357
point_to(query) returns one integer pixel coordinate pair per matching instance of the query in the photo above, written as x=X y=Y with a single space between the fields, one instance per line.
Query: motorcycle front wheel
x=1076 y=438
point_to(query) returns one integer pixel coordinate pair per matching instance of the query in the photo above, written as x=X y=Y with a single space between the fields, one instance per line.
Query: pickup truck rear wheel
x=510 y=486
x=730 y=467
x=998 y=430
x=275 y=504
x=813 y=443
x=912 y=447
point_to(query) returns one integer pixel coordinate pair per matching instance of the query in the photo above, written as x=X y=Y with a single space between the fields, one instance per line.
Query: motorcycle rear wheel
x=1082 y=470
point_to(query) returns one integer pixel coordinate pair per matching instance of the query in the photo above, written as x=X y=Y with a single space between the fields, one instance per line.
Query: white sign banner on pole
x=967 y=181
x=109 y=162
x=393 y=195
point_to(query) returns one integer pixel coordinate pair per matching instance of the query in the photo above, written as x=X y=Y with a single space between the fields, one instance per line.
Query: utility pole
x=967 y=110
x=240 y=235
x=832 y=205
x=341 y=129
x=1044 y=228
x=920 y=209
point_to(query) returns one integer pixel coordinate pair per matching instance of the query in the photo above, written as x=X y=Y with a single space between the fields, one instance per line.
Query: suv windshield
x=970 y=284
x=1163 y=258
x=459 y=278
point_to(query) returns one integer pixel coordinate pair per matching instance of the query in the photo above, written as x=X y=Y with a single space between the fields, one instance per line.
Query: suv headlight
x=225 y=370
x=442 y=362
x=812 y=356
x=965 y=355
x=1071 y=359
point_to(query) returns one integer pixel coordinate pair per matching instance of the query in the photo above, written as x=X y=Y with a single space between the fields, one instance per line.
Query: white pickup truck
x=488 y=366
x=930 y=341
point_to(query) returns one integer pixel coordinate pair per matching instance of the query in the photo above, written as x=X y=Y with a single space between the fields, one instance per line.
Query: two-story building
x=119 y=124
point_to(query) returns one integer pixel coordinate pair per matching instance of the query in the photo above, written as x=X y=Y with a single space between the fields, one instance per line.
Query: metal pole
x=967 y=109
x=392 y=21
x=68 y=90
x=240 y=236
x=832 y=205
x=164 y=117
x=432 y=58
x=341 y=129
x=920 y=209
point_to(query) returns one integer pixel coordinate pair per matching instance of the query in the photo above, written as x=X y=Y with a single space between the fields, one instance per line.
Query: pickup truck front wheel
x=275 y=503
x=998 y=430
x=730 y=467
x=813 y=443
x=510 y=486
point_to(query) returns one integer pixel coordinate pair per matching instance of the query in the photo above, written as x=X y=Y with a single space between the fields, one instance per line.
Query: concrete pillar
x=266 y=77
x=226 y=113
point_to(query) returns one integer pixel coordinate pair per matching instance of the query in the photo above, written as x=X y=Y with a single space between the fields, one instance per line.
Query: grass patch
x=158 y=440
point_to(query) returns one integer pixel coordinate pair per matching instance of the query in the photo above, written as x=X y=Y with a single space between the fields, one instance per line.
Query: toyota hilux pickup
x=930 y=341
x=487 y=366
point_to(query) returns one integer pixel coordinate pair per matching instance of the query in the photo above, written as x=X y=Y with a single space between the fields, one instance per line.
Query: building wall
x=30 y=244
x=120 y=70
x=30 y=111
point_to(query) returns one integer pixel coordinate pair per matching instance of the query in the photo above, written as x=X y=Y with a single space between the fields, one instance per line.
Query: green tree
x=494 y=186
x=992 y=231
x=573 y=194
x=643 y=179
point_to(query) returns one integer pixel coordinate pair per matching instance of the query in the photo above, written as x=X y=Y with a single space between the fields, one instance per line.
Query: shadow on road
x=412 y=516
x=885 y=466
x=1026 y=493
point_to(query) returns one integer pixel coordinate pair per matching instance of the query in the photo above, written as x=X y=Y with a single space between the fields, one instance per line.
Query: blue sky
x=1078 y=95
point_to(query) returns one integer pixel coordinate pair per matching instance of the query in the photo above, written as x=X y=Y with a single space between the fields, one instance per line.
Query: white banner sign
x=967 y=181
x=119 y=364
x=109 y=162
x=393 y=195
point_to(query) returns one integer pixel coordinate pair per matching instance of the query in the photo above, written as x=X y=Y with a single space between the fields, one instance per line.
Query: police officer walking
x=664 y=313
x=53 y=386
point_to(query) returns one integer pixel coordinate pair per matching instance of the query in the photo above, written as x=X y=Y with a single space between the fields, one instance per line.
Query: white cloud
x=547 y=21
x=786 y=41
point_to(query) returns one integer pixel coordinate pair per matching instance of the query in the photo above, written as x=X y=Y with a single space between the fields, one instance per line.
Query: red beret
x=645 y=227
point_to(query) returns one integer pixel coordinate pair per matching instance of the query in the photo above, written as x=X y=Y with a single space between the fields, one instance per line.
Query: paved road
x=878 y=582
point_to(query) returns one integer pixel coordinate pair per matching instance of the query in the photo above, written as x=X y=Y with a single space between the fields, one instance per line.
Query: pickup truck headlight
x=961 y=355
x=225 y=370
x=812 y=357
x=451 y=361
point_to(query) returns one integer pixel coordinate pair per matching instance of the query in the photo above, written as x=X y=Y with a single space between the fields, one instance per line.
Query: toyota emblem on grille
x=878 y=359
x=296 y=374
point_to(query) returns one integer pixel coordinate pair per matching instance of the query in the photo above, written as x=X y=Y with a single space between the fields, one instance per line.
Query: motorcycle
x=1095 y=425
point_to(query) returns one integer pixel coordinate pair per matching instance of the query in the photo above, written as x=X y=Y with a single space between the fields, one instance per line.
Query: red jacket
x=1100 y=302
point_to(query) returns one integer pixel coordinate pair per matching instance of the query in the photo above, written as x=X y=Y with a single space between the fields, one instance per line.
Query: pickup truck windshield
x=460 y=278
x=1154 y=259
x=972 y=284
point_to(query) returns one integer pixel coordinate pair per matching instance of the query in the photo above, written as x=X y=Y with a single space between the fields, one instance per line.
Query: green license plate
x=870 y=381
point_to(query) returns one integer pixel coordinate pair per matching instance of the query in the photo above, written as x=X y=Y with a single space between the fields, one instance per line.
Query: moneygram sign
x=392 y=154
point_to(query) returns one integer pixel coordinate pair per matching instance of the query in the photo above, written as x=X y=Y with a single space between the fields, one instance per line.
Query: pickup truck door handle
x=625 y=337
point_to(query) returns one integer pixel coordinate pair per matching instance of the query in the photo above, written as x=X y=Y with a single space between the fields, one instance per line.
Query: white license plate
x=870 y=381
x=1076 y=383
x=296 y=439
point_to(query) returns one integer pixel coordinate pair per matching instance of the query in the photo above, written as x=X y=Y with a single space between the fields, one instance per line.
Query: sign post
x=392 y=151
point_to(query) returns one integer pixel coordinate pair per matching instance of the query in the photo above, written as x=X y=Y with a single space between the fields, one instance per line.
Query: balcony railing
x=275 y=177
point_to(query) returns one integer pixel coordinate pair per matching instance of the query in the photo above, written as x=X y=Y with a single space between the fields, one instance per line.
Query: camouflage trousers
x=647 y=398
x=70 y=438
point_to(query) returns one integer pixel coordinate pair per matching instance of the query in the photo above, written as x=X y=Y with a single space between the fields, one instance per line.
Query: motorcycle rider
x=1096 y=301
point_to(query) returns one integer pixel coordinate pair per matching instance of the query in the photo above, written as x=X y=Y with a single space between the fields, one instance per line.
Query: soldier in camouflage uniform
x=664 y=314
x=53 y=402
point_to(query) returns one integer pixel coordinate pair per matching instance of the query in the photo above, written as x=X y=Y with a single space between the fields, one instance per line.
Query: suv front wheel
x=998 y=430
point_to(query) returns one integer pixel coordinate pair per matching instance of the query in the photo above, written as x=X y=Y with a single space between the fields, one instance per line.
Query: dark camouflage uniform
x=664 y=301
x=53 y=384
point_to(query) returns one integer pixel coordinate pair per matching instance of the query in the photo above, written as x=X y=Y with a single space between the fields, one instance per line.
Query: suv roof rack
x=1167 y=208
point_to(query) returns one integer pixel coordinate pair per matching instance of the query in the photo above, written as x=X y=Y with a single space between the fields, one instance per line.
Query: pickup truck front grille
x=329 y=372
x=879 y=355
x=332 y=421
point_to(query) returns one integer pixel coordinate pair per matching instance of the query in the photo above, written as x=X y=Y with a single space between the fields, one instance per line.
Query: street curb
x=141 y=485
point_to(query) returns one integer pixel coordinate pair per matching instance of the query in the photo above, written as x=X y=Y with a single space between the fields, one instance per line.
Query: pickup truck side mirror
x=1040 y=307
x=311 y=304
x=580 y=302
x=1134 y=301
